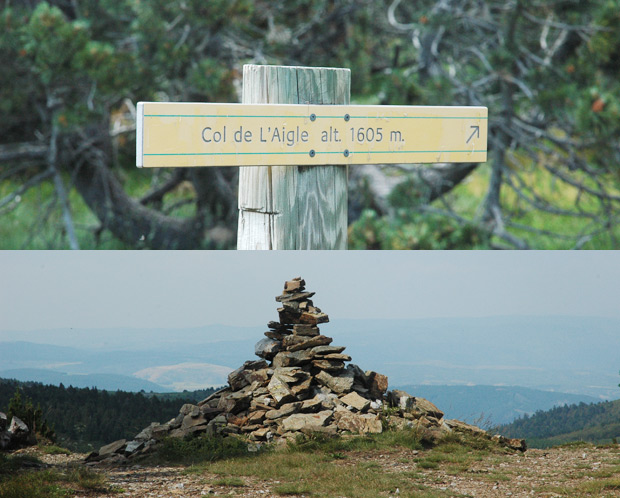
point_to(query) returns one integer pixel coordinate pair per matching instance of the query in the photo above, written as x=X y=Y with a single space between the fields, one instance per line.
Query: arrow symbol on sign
x=475 y=132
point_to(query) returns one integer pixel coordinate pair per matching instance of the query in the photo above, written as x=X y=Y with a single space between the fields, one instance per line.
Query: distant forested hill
x=85 y=418
x=596 y=423
x=490 y=406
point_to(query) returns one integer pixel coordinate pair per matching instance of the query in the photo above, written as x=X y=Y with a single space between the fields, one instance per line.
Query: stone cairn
x=300 y=385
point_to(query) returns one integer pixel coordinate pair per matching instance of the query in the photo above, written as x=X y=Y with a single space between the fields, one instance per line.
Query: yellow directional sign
x=187 y=134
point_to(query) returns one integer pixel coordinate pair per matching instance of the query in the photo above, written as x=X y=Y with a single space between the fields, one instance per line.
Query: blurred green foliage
x=549 y=73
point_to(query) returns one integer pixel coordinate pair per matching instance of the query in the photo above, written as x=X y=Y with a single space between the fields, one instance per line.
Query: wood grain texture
x=293 y=207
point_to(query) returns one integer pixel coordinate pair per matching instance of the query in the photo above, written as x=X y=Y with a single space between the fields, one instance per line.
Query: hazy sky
x=48 y=289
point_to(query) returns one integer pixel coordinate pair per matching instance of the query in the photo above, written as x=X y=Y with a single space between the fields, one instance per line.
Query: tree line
x=84 y=419
x=595 y=422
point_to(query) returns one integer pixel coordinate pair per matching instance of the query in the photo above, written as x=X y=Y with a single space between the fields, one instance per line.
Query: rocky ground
x=567 y=471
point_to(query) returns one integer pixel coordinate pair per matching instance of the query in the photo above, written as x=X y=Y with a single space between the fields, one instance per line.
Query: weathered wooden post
x=293 y=207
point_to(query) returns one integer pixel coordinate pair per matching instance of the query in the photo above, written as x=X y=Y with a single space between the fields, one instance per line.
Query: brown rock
x=313 y=318
x=263 y=434
x=360 y=424
x=514 y=444
x=328 y=365
x=292 y=306
x=296 y=296
x=458 y=426
x=111 y=448
x=319 y=340
x=259 y=376
x=292 y=340
x=288 y=316
x=327 y=430
x=426 y=408
x=235 y=402
x=237 y=379
x=299 y=421
x=290 y=359
x=305 y=330
x=295 y=285
x=312 y=405
x=276 y=336
x=256 y=417
x=267 y=348
x=325 y=350
x=189 y=421
x=283 y=411
x=337 y=356
x=356 y=401
x=238 y=420
x=377 y=384
x=301 y=389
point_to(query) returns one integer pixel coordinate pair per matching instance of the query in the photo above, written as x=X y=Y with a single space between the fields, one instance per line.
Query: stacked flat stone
x=300 y=384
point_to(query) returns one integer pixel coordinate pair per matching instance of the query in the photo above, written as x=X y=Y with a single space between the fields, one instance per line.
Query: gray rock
x=291 y=375
x=133 y=446
x=328 y=365
x=339 y=384
x=299 y=421
x=319 y=340
x=190 y=421
x=325 y=350
x=237 y=379
x=401 y=399
x=296 y=296
x=189 y=409
x=146 y=433
x=255 y=365
x=17 y=428
x=292 y=340
x=112 y=448
x=235 y=402
x=3 y=421
x=214 y=398
x=267 y=348
x=289 y=359
x=283 y=411
x=280 y=391
x=305 y=330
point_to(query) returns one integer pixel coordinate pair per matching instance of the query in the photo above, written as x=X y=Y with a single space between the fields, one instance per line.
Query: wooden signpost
x=294 y=136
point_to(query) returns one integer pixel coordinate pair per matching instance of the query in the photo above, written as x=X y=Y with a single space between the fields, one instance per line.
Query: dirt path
x=559 y=472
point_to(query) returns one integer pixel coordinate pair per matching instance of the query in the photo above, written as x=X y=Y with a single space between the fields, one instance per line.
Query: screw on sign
x=292 y=118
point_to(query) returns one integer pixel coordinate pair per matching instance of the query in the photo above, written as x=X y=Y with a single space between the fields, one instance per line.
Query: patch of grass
x=292 y=490
x=51 y=483
x=598 y=486
x=312 y=474
x=229 y=482
x=54 y=450
x=583 y=489
x=388 y=440
x=201 y=449
x=86 y=478
x=12 y=464
x=428 y=464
